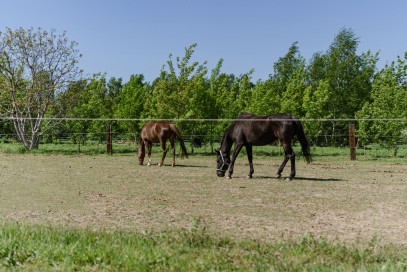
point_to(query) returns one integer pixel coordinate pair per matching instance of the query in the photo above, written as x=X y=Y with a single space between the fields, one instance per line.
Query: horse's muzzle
x=220 y=173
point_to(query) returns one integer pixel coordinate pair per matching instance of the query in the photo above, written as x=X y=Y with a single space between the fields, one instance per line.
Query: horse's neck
x=226 y=144
x=142 y=147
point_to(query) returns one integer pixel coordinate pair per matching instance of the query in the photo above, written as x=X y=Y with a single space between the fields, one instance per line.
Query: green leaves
x=131 y=102
x=182 y=91
x=388 y=100
x=337 y=83
x=35 y=67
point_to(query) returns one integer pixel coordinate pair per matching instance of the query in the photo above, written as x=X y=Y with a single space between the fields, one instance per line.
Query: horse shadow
x=298 y=178
x=185 y=166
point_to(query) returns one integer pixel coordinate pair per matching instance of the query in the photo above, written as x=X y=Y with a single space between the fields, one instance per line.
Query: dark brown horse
x=252 y=130
x=159 y=132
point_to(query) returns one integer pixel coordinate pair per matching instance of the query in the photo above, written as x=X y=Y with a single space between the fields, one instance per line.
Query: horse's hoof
x=159 y=164
x=288 y=179
x=148 y=164
x=249 y=176
x=173 y=165
x=228 y=177
x=278 y=176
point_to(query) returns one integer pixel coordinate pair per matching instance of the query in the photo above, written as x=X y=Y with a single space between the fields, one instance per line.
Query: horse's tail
x=305 y=146
x=181 y=141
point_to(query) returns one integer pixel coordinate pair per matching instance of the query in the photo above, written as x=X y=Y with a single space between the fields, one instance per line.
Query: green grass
x=43 y=248
x=30 y=247
x=370 y=152
x=68 y=148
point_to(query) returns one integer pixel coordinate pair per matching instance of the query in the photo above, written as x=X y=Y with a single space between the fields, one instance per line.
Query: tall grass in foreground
x=42 y=248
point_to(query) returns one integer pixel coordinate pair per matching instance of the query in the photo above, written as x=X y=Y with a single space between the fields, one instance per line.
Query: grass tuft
x=38 y=247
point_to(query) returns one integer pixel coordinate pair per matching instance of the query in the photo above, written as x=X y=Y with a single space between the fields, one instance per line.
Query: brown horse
x=252 y=130
x=159 y=132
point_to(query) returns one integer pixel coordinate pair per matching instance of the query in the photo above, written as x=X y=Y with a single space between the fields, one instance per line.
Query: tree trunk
x=35 y=142
x=395 y=148
x=32 y=141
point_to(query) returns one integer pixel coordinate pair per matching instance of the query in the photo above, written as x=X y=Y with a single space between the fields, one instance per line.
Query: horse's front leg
x=281 y=168
x=249 y=151
x=234 y=156
x=149 y=146
x=164 y=148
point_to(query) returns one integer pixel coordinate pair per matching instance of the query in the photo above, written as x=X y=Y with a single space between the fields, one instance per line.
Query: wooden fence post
x=191 y=142
x=109 y=140
x=352 y=142
x=211 y=139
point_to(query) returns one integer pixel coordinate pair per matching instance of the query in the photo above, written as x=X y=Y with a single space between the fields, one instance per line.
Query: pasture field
x=345 y=202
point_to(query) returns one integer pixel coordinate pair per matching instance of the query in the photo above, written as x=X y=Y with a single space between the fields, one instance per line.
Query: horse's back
x=250 y=129
x=262 y=129
x=154 y=131
x=279 y=116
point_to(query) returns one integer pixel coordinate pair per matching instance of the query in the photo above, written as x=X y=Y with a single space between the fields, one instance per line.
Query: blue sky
x=124 y=37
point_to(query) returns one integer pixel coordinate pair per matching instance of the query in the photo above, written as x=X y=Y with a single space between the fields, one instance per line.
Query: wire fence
x=208 y=132
x=201 y=120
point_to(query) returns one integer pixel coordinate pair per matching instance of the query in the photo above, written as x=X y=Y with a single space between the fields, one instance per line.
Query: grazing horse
x=159 y=132
x=252 y=130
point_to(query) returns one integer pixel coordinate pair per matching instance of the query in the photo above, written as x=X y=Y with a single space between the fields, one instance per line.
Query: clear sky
x=124 y=37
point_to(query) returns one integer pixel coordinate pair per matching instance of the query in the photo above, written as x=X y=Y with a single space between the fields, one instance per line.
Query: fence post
x=211 y=139
x=109 y=140
x=191 y=142
x=352 y=142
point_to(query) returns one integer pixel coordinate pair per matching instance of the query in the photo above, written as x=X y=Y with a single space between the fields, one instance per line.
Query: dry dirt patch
x=343 y=200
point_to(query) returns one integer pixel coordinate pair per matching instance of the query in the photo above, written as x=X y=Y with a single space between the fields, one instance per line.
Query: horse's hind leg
x=280 y=170
x=289 y=155
x=249 y=151
x=173 y=152
x=164 y=147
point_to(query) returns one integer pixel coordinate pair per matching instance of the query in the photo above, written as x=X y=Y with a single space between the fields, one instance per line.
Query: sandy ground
x=340 y=200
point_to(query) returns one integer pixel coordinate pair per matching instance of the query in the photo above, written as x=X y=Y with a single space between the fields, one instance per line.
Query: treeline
x=339 y=83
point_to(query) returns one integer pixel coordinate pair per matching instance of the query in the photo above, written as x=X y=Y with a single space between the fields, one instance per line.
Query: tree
x=316 y=106
x=286 y=68
x=182 y=91
x=35 y=66
x=131 y=103
x=388 y=100
x=284 y=89
x=292 y=97
x=265 y=99
x=349 y=77
x=97 y=100
x=349 y=74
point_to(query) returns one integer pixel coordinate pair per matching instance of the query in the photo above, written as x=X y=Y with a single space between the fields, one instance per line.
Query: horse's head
x=222 y=163
x=140 y=155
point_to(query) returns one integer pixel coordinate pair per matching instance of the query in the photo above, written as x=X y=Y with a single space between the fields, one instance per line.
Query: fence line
x=191 y=135
x=203 y=120
x=122 y=136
